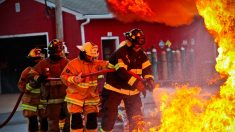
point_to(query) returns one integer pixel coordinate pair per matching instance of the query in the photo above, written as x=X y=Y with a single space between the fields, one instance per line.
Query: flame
x=182 y=110
x=186 y=109
x=173 y=13
x=219 y=17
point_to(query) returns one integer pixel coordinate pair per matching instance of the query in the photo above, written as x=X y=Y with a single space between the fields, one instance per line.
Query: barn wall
x=33 y=18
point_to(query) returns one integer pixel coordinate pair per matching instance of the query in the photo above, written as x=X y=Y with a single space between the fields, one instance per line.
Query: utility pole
x=59 y=20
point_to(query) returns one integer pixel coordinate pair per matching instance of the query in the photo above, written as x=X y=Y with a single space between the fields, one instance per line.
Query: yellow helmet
x=90 y=49
x=35 y=53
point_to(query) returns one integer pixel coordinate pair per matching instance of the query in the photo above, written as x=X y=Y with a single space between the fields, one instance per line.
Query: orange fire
x=173 y=13
x=186 y=109
x=219 y=17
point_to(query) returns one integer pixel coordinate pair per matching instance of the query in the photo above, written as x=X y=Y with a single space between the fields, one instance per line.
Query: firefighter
x=53 y=90
x=82 y=93
x=121 y=85
x=31 y=98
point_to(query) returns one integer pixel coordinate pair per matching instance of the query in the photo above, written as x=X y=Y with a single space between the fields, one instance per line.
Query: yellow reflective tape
x=131 y=81
x=32 y=90
x=28 y=87
x=116 y=67
x=136 y=71
x=121 y=64
x=101 y=130
x=101 y=76
x=41 y=106
x=70 y=79
x=121 y=91
x=146 y=64
x=148 y=76
x=74 y=101
x=35 y=91
x=28 y=107
x=110 y=65
x=83 y=85
x=43 y=101
x=92 y=102
x=87 y=85
x=81 y=103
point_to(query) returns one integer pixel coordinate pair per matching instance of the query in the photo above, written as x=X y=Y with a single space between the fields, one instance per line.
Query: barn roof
x=83 y=8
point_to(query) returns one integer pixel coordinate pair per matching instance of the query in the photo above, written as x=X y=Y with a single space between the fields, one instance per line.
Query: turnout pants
x=111 y=102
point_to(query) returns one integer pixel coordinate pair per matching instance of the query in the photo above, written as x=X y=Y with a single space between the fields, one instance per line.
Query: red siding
x=33 y=19
x=72 y=35
x=154 y=32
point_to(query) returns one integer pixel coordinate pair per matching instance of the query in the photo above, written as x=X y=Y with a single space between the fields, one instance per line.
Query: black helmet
x=135 y=36
x=55 y=47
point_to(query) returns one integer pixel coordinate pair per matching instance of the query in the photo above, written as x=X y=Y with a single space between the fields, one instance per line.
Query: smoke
x=171 y=13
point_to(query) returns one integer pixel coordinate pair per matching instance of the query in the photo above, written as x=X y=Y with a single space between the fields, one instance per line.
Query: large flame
x=173 y=13
x=219 y=17
x=185 y=110
x=182 y=110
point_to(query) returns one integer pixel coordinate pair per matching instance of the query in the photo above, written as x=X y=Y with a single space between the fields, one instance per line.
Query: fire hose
x=83 y=75
x=22 y=93
x=107 y=71
x=13 y=111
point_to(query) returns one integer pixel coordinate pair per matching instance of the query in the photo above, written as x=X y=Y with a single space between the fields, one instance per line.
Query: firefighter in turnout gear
x=82 y=93
x=121 y=85
x=47 y=72
x=31 y=98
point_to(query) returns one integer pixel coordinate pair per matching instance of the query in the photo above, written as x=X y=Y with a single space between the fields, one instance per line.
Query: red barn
x=29 y=23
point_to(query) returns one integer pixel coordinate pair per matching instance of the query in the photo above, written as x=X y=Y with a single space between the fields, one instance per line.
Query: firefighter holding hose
x=122 y=85
x=31 y=98
x=82 y=94
x=53 y=91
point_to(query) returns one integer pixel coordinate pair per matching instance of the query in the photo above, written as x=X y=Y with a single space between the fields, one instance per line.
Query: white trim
x=112 y=37
x=83 y=30
x=50 y=4
x=116 y=38
x=105 y=16
x=23 y=35
x=27 y=35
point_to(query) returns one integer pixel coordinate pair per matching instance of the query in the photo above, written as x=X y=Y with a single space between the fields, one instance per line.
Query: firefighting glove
x=34 y=84
x=149 y=84
x=77 y=79
x=140 y=85
x=42 y=78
